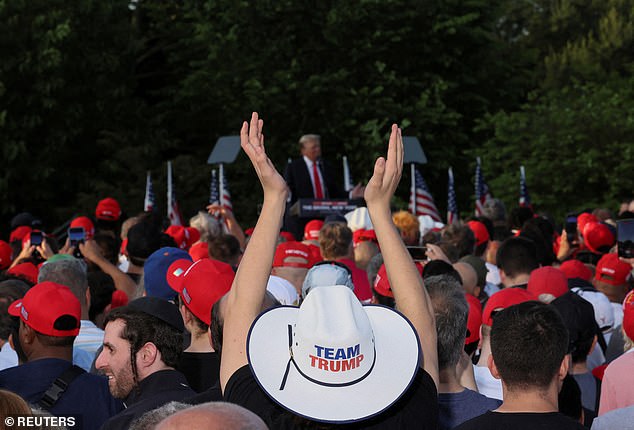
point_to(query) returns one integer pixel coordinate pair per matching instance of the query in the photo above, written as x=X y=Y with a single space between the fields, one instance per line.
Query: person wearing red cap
x=482 y=236
x=612 y=277
x=457 y=403
x=199 y=285
x=49 y=322
x=487 y=383
x=617 y=388
x=292 y=261
x=335 y=242
x=311 y=238
x=547 y=283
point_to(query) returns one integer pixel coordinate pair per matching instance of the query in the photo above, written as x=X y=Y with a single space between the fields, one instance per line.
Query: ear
x=147 y=355
x=502 y=275
x=563 y=368
x=185 y=314
x=476 y=291
x=481 y=337
x=493 y=368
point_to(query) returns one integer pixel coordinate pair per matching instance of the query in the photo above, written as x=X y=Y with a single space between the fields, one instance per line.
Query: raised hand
x=252 y=142
x=387 y=173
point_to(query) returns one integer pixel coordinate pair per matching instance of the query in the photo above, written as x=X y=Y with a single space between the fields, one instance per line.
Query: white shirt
x=487 y=384
x=8 y=357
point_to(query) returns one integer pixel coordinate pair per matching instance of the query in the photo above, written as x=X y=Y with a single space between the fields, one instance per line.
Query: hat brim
x=397 y=362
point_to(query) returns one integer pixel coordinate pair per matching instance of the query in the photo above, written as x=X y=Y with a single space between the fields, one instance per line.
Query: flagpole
x=221 y=183
x=412 y=193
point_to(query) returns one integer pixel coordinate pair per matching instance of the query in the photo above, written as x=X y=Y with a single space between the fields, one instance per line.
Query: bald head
x=469 y=277
x=213 y=416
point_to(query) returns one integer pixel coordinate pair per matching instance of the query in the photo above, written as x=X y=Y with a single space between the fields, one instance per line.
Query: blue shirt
x=87 y=395
x=456 y=408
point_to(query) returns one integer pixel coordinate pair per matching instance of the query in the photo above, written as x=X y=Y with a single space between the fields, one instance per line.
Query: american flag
x=482 y=193
x=421 y=202
x=452 y=207
x=214 y=196
x=149 y=204
x=173 y=212
x=525 y=200
x=347 y=177
x=225 y=195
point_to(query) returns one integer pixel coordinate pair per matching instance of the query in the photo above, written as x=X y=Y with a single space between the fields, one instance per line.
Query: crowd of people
x=371 y=319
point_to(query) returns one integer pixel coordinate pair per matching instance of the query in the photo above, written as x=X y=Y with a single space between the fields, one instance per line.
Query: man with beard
x=142 y=345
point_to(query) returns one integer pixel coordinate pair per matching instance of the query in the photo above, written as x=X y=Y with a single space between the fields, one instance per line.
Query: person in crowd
x=292 y=261
x=460 y=236
x=457 y=403
x=226 y=248
x=578 y=316
x=199 y=285
x=529 y=345
x=617 y=388
x=101 y=287
x=208 y=226
x=155 y=272
x=516 y=259
x=150 y=419
x=108 y=216
x=213 y=416
x=49 y=316
x=142 y=345
x=10 y=291
x=229 y=222
x=481 y=235
x=331 y=325
x=408 y=226
x=71 y=272
x=612 y=277
x=547 y=283
x=486 y=381
x=335 y=242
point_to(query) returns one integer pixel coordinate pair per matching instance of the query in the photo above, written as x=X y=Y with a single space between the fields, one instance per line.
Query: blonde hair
x=12 y=404
x=407 y=224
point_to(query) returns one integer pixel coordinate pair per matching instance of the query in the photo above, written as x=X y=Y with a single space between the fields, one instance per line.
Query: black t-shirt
x=417 y=408
x=202 y=369
x=520 y=421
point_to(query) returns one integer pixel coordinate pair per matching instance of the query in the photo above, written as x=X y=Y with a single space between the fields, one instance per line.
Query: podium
x=314 y=208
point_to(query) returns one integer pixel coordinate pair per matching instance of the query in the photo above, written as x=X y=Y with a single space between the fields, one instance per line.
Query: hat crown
x=333 y=341
x=325 y=275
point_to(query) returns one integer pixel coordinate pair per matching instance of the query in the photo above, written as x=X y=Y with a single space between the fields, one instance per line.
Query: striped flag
x=149 y=204
x=214 y=196
x=482 y=192
x=525 y=200
x=421 y=202
x=225 y=195
x=173 y=212
x=452 y=207
x=347 y=177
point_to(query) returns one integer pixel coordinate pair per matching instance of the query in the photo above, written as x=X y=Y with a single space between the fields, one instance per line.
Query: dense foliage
x=94 y=93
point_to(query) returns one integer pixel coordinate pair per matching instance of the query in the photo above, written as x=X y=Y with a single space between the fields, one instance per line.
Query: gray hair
x=495 y=210
x=69 y=272
x=150 y=419
x=207 y=225
x=221 y=414
x=451 y=311
x=309 y=138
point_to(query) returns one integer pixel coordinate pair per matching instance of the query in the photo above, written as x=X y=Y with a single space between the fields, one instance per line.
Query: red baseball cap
x=108 y=209
x=199 y=250
x=293 y=254
x=44 y=304
x=628 y=315
x=288 y=236
x=311 y=230
x=576 y=269
x=362 y=235
x=249 y=231
x=597 y=235
x=20 y=233
x=5 y=255
x=549 y=281
x=119 y=298
x=85 y=223
x=474 y=319
x=200 y=284
x=382 y=284
x=584 y=219
x=184 y=237
x=479 y=231
x=611 y=270
x=28 y=271
x=502 y=300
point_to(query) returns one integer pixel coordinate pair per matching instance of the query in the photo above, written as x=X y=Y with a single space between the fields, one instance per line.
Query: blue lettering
x=319 y=350
x=353 y=351
x=341 y=354
x=330 y=353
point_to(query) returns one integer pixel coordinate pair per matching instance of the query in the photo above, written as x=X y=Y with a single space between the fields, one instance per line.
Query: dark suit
x=298 y=178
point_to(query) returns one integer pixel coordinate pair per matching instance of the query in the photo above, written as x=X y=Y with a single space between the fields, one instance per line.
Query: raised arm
x=244 y=300
x=410 y=295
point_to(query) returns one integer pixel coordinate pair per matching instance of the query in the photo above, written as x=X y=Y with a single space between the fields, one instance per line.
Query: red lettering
x=359 y=359
x=323 y=364
x=348 y=364
x=313 y=359
x=335 y=365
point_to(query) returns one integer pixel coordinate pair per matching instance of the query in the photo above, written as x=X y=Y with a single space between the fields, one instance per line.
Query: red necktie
x=319 y=193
